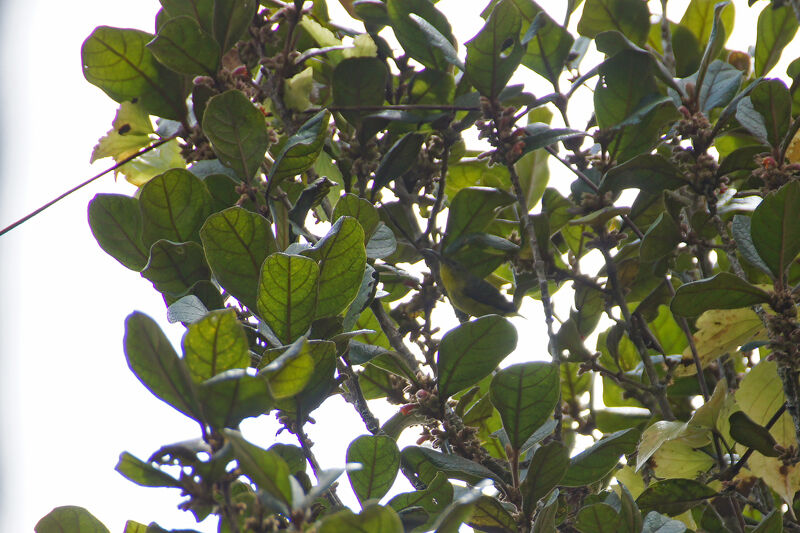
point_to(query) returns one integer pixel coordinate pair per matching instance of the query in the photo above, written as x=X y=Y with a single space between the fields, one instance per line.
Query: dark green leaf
x=626 y=85
x=747 y=433
x=287 y=294
x=547 y=467
x=495 y=52
x=341 y=257
x=437 y=41
x=416 y=42
x=470 y=352
x=154 y=362
x=359 y=81
x=597 y=518
x=174 y=268
x=301 y=150
x=648 y=172
x=144 y=474
x=422 y=464
x=723 y=291
x=630 y=17
x=372 y=519
x=366 y=292
x=236 y=243
x=661 y=239
x=237 y=132
x=215 y=344
x=231 y=20
x=116 y=223
x=118 y=61
x=321 y=382
x=546 y=518
x=201 y=10
x=548 y=46
x=397 y=161
x=658 y=523
x=471 y=211
x=674 y=496
x=382 y=244
x=525 y=395
x=771 y=99
x=776 y=28
x=70 y=519
x=721 y=82
x=539 y=135
x=772 y=523
x=740 y=228
x=266 y=469
x=183 y=46
x=489 y=514
x=174 y=205
x=434 y=498
x=775 y=228
x=380 y=461
x=293 y=455
x=230 y=397
x=595 y=462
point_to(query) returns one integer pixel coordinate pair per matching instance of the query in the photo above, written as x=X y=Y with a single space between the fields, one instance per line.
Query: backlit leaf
x=287 y=294
x=380 y=460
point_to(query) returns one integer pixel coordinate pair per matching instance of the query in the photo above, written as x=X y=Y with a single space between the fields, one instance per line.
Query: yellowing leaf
x=654 y=436
x=785 y=480
x=363 y=46
x=155 y=162
x=298 y=90
x=322 y=35
x=793 y=151
x=677 y=459
x=707 y=414
x=130 y=132
x=720 y=331
x=632 y=481
x=760 y=395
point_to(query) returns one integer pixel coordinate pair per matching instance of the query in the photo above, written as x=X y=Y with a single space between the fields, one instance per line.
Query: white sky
x=69 y=403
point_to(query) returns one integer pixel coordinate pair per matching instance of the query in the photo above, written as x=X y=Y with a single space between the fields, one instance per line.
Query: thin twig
x=85 y=183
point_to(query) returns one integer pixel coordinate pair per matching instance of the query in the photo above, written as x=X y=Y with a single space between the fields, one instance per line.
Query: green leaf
x=674 y=496
x=699 y=19
x=772 y=523
x=380 y=461
x=777 y=27
x=746 y=432
x=720 y=85
x=471 y=211
x=287 y=294
x=630 y=17
x=495 y=52
x=342 y=258
x=488 y=514
x=434 y=498
x=231 y=20
x=597 y=518
x=236 y=243
x=595 y=462
x=182 y=45
x=626 y=87
x=415 y=41
x=230 y=397
x=201 y=10
x=320 y=384
x=289 y=370
x=723 y=291
x=548 y=47
x=658 y=523
x=648 y=172
x=70 y=519
x=775 y=229
x=359 y=81
x=548 y=466
x=174 y=205
x=662 y=239
x=301 y=150
x=397 y=161
x=266 y=469
x=215 y=344
x=422 y=464
x=546 y=518
x=470 y=352
x=366 y=292
x=116 y=223
x=174 y=268
x=538 y=135
x=741 y=231
x=525 y=395
x=144 y=474
x=372 y=519
x=154 y=362
x=188 y=309
x=237 y=132
x=359 y=208
x=772 y=100
x=117 y=61
x=382 y=244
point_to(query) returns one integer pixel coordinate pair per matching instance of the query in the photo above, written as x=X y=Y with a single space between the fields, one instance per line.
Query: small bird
x=467 y=292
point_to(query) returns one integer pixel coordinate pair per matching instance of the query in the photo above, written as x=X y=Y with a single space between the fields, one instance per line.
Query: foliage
x=316 y=210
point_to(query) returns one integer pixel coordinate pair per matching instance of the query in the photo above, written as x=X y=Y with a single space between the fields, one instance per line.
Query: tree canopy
x=312 y=200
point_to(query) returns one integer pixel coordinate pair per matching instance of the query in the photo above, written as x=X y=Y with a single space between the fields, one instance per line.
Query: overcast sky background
x=69 y=404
